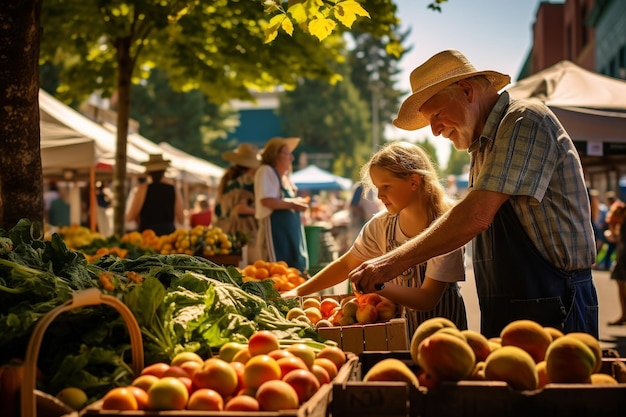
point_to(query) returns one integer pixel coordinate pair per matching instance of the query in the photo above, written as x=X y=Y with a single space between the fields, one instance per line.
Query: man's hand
x=371 y=275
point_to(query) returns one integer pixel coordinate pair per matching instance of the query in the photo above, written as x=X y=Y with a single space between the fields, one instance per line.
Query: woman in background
x=156 y=205
x=234 y=208
x=278 y=209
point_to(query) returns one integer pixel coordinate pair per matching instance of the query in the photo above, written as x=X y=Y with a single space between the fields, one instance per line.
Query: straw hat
x=274 y=144
x=440 y=71
x=156 y=163
x=246 y=155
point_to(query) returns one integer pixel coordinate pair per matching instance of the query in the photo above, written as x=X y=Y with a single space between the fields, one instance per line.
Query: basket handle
x=88 y=297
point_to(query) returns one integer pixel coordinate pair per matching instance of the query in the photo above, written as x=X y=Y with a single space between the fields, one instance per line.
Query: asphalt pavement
x=613 y=337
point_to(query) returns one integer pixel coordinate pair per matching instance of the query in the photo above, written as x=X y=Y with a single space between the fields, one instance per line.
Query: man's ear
x=467 y=89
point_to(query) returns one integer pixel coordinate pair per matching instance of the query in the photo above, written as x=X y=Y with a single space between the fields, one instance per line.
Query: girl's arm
x=424 y=298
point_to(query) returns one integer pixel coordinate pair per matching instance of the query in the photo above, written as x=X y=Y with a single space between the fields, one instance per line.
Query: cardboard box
x=469 y=398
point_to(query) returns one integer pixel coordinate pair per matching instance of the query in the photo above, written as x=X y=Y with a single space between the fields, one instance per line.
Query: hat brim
x=238 y=159
x=409 y=116
x=291 y=143
x=156 y=166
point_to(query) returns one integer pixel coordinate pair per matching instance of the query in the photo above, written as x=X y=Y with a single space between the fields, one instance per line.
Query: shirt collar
x=491 y=125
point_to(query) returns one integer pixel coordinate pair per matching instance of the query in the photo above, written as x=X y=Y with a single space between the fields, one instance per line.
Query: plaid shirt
x=525 y=152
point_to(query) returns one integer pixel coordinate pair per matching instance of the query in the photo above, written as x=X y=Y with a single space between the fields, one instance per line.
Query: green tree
x=458 y=162
x=330 y=119
x=216 y=46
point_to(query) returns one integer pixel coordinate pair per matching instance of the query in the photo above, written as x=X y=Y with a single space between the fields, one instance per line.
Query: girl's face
x=395 y=193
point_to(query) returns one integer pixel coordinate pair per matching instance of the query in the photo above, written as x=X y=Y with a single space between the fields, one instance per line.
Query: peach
x=327 y=364
x=73 y=397
x=598 y=378
x=569 y=360
x=542 y=374
x=305 y=383
x=446 y=357
x=593 y=344
x=229 y=349
x=259 y=369
x=323 y=323
x=349 y=308
x=242 y=356
x=295 y=312
x=277 y=395
x=218 y=375
x=347 y=321
x=335 y=354
x=514 y=366
x=321 y=374
x=242 y=403
x=141 y=397
x=291 y=363
x=391 y=369
x=478 y=343
x=327 y=305
x=144 y=381
x=311 y=302
x=554 y=332
x=313 y=313
x=425 y=329
x=478 y=373
x=176 y=371
x=190 y=367
x=262 y=342
x=183 y=357
x=205 y=399
x=119 y=398
x=168 y=393
x=366 y=313
x=238 y=367
x=279 y=353
x=386 y=310
x=156 y=369
x=304 y=352
x=370 y=298
x=528 y=335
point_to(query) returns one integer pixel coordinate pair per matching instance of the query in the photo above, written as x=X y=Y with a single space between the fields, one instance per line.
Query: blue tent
x=314 y=178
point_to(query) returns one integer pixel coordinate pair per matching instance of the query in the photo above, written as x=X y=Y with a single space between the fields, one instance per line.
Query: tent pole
x=93 y=210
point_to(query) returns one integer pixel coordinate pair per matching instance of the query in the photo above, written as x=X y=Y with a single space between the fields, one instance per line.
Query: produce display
x=269 y=377
x=181 y=303
x=352 y=309
x=526 y=356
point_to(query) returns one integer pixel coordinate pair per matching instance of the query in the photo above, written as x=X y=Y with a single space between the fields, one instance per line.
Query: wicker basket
x=88 y=297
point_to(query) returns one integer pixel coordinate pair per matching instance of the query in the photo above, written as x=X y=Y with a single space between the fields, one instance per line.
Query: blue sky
x=492 y=34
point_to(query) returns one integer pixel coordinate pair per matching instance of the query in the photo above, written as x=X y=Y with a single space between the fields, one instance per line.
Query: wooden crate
x=469 y=398
x=391 y=335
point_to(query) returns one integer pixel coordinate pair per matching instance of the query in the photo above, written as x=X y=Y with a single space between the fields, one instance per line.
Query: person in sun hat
x=234 y=207
x=278 y=209
x=526 y=212
x=156 y=205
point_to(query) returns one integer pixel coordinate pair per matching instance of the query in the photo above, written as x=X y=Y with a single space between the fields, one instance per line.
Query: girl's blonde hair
x=403 y=159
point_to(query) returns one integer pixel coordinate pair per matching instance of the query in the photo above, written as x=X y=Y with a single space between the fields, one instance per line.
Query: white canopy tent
x=591 y=106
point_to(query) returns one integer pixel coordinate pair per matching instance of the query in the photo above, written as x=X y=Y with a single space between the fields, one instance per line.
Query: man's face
x=450 y=115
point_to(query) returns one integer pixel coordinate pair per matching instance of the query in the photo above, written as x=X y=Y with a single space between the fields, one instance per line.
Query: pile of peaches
x=259 y=376
x=352 y=309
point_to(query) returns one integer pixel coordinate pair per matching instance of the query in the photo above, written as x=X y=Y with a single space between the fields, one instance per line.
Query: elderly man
x=527 y=210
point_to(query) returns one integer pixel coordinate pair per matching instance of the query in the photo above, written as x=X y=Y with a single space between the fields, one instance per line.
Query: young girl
x=413 y=197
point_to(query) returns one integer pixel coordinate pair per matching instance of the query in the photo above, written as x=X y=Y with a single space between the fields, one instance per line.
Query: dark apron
x=514 y=281
x=288 y=235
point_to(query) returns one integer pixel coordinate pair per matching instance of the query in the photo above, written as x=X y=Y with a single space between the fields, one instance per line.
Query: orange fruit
x=249 y=271
x=278 y=269
x=260 y=263
x=262 y=273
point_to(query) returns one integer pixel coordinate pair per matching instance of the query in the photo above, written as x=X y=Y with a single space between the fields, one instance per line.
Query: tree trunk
x=124 y=73
x=21 y=177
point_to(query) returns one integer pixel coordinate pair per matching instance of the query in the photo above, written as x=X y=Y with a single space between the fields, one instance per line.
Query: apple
x=277 y=395
x=259 y=369
x=175 y=371
x=218 y=375
x=157 y=369
x=205 y=399
x=290 y=363
x=262 y=343
x=183 y=357
x=190 y=367
x=168 y=393
x=304 y=382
